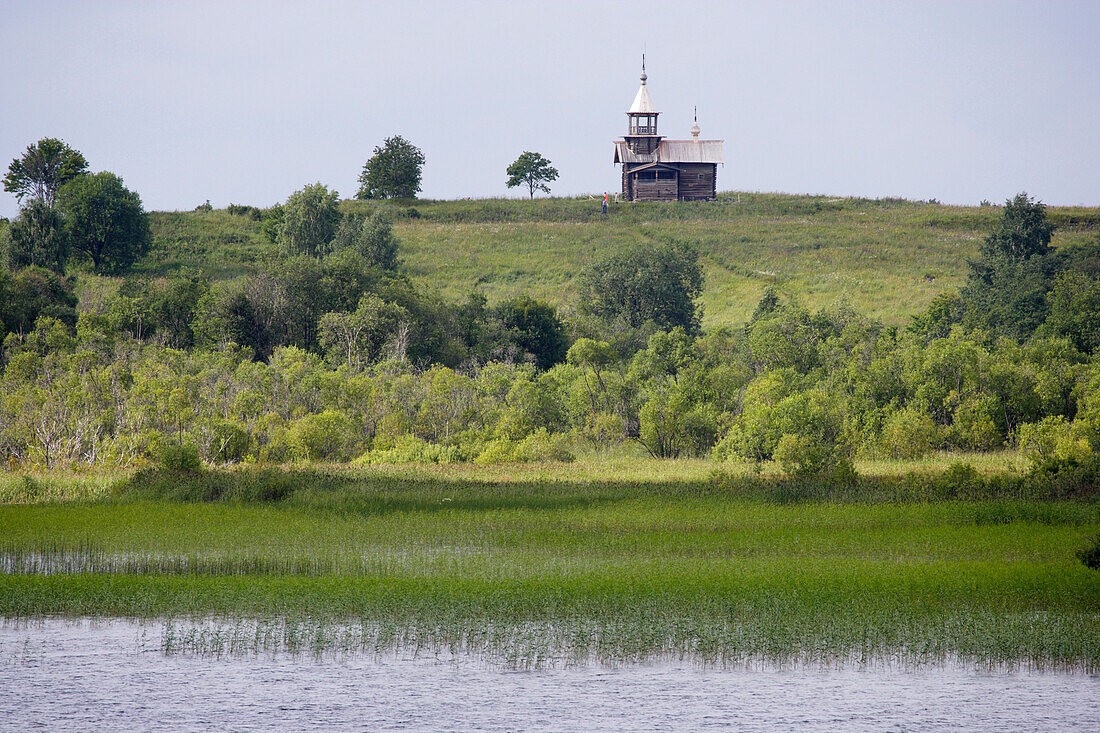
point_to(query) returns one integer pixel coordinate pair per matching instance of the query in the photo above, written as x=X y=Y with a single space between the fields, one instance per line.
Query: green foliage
x=180 y=458
x=1023 y=231
x=1075 y=310
x=531 y=170
x=671 y=426
x=804 y=389
x=371 y=237
x=271 y=222
x=1052 y=439
x=646 y=283
x=1020 y=285
x=784 y=337
x=357 y=338
x=225 y=315
x=31 y=293
x=38 y=238
x=310 y=219
x=410 y=449
x=1089 y=555
x=327 y=436
x=539 y=446
x=534 y=329
x=42 y=170
x=251 y=212
x=104 y=222
x=909 y=434
x=392 y=172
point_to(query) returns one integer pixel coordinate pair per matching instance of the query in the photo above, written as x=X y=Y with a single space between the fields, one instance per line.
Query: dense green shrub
x=327 y=436
x=180 y=458
x=1052 y=439
x=908 y=434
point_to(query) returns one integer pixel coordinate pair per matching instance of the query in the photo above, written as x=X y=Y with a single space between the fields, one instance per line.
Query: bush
x=1090 y=553
x=542 y=446
x=250 y=211
x=372 y=238
x=1065 y=478
x=908 y=434
x=263 y=485
x=310 y=218
x=327 y=436
x=411 y=449
x=1051 y=439
x=806 y=456
x=973 y=427
x=539 y=446
x=176 y=458
x=960 y=480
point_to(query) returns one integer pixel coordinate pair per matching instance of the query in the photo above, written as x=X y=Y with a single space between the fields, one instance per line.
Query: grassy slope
x=887 y=258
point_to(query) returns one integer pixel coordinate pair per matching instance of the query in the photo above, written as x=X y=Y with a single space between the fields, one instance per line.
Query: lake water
x=60 y=675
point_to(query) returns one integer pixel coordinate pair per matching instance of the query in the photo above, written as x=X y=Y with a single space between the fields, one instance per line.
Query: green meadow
x=886 y=257
x=528 y=566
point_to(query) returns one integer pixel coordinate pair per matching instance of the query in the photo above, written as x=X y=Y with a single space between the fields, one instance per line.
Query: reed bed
x=527 y=573
x=1036 y=642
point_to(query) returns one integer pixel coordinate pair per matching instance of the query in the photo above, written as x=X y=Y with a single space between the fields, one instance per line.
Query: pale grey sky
x=245 y=102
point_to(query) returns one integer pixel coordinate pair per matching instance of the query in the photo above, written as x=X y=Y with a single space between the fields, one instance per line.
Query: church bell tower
x=642 y=137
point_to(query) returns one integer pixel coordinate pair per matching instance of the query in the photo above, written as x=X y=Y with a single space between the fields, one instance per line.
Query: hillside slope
x=888 y=258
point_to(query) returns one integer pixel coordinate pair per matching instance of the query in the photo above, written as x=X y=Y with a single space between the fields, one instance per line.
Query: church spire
x=695 y=125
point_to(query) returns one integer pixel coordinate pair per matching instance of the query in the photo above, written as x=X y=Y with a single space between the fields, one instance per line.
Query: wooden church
x=655 y=169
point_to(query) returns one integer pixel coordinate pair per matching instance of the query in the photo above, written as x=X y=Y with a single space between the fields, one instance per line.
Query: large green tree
x=531 y=170
x=649 y=282
x=310 y=218
x=393 y=172
x=43 y=169
x=104 y=221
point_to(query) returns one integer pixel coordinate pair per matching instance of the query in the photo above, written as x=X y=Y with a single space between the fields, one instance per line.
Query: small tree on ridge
x=532 y=170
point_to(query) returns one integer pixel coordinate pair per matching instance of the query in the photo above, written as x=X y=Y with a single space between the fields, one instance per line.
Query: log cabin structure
x=655 y=169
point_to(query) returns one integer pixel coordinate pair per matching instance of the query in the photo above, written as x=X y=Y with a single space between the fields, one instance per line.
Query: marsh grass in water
x=530 y=571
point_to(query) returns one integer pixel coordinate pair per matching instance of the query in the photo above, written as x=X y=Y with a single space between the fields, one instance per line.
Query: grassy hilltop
x=887 y=257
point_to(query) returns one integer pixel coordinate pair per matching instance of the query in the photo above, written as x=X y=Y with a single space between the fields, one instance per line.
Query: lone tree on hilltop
x=393 y=172
x=533 y=170
x=43 y=169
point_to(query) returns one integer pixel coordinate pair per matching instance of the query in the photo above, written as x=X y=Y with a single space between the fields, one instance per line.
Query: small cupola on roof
x=642 y=114
x=695 y=126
